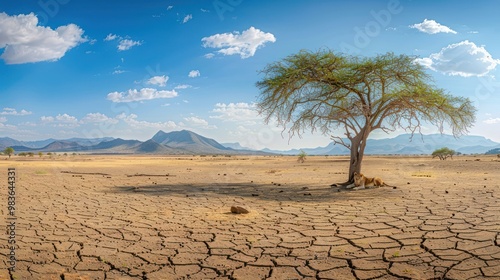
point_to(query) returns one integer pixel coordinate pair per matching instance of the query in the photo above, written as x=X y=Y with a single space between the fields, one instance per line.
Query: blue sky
x=88 y=68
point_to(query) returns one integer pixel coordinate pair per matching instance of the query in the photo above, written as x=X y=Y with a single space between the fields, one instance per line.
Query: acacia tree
x=328 y=92
x=443 y=153
x=9 y=151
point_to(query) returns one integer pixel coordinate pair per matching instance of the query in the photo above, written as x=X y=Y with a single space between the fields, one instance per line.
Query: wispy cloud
x=432 y=27
x=187 y=18
x=7 y=127
x=25 y=41
x=464 y=59
x=244 y=44
x=183 y=86
x=492 y=121
x=119 y=72
x=194 y=74
x=138 y=95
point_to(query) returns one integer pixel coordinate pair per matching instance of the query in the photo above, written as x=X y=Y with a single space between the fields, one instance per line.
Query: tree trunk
x=357 y=152
x=358 y=144
x=354 y=162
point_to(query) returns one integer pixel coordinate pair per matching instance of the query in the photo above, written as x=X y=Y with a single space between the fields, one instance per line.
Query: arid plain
x=151 y=217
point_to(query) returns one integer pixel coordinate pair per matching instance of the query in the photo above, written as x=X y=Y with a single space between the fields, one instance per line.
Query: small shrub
x=302 y=157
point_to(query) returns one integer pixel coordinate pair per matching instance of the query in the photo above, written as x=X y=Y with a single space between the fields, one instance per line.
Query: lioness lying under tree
x=361 y=182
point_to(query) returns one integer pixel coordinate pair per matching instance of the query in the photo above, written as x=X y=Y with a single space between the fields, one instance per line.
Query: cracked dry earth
x=125 y=217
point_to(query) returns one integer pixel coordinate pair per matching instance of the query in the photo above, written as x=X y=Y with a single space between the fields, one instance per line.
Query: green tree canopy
x=339 y=94
x=443 y=153
x=9 y=151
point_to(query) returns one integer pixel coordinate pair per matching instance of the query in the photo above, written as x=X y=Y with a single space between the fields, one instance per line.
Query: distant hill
x=151 y=147
x=189 y=142
x=89 y=141
x=405 y=145
x=9 y=142
x=234 y=146
x=62 y=146
x=495 y=151
x=55 y=146
x=115 y=146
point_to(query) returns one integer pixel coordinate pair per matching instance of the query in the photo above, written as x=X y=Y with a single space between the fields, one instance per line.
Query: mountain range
x=405 y=144
x=174 y=143
x=188 y=142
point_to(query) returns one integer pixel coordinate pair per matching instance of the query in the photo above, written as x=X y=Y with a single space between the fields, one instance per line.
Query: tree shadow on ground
x=275 y=192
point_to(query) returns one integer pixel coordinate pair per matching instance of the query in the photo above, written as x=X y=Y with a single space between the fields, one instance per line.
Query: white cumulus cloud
x=196 y=120
x=158 y=81
x=66 y=118
x=464 y=59
x=127 y=44
x=244 y=44
x=139 y=95
x=63 y=120
x=123 y=43
x=134 y=123
x=199 y=122
x=432 y=27
x=236 y=112
x=25 y=42
x=14 y=112
x=111 y=37
x=194 y=74
x=98 y=118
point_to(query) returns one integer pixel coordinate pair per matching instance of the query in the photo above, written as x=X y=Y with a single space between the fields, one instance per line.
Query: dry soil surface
x=134 y=217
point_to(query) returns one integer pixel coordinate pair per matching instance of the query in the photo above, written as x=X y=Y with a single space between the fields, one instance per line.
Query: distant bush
x=443 y=153
x=302 y=157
